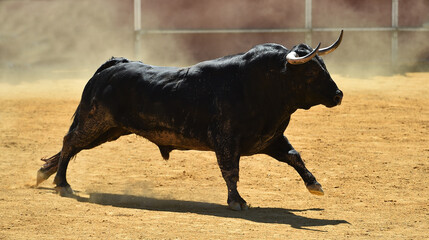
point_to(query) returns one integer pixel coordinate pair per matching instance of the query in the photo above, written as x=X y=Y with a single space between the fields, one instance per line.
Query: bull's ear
x=293 y=57
x=334 y=46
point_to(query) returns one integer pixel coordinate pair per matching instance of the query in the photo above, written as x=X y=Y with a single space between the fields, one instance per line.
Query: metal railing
x=308 y=29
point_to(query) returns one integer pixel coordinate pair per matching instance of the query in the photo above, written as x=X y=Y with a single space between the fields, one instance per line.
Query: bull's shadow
x=260 y=215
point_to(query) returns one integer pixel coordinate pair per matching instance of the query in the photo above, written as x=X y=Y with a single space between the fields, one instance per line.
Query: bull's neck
x=288 y=96
x=282 y=101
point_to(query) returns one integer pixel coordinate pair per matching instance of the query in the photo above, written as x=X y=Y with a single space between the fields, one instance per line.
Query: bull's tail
x=51 y=164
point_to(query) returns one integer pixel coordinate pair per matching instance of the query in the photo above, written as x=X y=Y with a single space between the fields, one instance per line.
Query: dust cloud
x=370 y=53
x=53 y=39
x=48 y=39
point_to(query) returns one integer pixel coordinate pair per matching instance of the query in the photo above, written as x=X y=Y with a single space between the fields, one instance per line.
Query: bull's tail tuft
x=50 y=167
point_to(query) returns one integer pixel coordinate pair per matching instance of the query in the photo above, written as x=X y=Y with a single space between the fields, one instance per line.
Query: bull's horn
x=331 y=48
x=293 y=57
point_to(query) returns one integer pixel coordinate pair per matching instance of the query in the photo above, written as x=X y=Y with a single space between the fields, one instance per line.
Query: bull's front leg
x=230 y=170
x=228 y=158
x=283 y=151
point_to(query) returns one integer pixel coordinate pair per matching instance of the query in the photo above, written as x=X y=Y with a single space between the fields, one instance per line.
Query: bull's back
x=161 y=104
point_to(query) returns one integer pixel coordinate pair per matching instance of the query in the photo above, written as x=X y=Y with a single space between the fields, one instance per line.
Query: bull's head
x=311 y=76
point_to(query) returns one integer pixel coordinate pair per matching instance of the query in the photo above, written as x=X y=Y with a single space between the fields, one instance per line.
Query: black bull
x=236 y=106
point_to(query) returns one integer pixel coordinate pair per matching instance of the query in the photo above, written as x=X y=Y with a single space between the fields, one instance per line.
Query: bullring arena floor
x=371 y=154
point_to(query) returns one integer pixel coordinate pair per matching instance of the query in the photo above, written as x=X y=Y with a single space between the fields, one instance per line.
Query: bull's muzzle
x=338 y=97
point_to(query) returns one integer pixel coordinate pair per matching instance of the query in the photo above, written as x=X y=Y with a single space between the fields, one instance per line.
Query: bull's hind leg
x=51 y=164
x=76 y=141
x=67 y=152
x=283 y=151
x=90 y=128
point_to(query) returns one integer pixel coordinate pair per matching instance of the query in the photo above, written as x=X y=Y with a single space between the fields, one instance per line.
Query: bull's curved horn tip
x=334 y=46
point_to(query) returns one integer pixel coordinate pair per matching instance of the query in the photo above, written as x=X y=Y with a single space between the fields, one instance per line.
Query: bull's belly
x=173 y=139
x=194 y=136
x=177 y=141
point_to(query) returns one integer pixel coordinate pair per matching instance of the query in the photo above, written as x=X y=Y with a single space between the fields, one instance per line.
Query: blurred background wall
x=68 y=38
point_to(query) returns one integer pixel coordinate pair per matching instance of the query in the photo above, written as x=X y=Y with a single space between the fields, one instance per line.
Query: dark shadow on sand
x=260 y=215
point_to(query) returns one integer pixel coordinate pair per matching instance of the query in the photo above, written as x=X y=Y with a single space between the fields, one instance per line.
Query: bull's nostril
x=337 y=99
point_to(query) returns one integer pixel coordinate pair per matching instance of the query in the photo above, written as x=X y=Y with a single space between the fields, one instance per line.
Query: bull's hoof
x=236 y=206
x=316 y=189
x=66 y=191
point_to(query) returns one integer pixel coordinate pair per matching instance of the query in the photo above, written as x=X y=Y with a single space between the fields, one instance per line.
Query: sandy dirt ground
x=371 y=154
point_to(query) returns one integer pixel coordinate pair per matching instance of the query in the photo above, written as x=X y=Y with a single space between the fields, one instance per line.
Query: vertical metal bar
x=308 y=20
x=395 y=17
x=137 y=29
